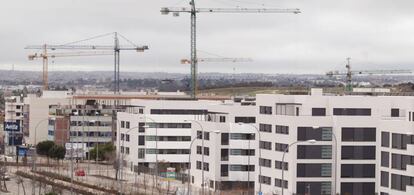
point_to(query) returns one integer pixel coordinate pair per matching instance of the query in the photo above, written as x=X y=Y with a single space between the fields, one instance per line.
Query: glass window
x=281 y=129
x=358 y=152
x=358 y=134
x=265 y=128
x=360 y=188
x=314 y=152
x=278 y=165
x=385 y=159
x=318 y=111
x=384 y=179
x=352 y=111
x=318 y=134
x=314 y=170
x=264 y=180
x=224 y=139
x=308 y=188
x=385 y=139
x=358 y=171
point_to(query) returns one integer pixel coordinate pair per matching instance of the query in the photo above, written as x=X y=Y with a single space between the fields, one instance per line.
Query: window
x=224 y=154
x=242 y=168
x=400 y=141
x=199 y=135
x=360 y=188
x=127 y=150
x=239 y=119
x=199 y=148
x=122 y=124
x=265 y=162
x=141 y=140
x=206 y=135
x=264 y=180
x=395 y=112
x=314 y=170
x=286 y=109
x=385 y=179
x=278 y=183
x=265 y=128
x=222 y=119
x=400 y=182
x=141 y=127
x=358 y=134
x=352 y=111
x=141 y=153
x=198 y=165
x=318 y=111
x=265 y=145
x=385 y=159
x=314 y=152
x=358 y=152
x=127 y=137
x=308 y=188
x=358 y=171
x=206 y=167
x=385 y=139
x=127 y=125
x=318 y=134
x=224 y=170
x=207 y=151
x=400 y=162
x=242 y=136
x=122 y=136
x=281 y=147
x=279 y=164
x=242 y=152
x=224 y=139
x=178 y=112
x=265 y=110
x=281 y=129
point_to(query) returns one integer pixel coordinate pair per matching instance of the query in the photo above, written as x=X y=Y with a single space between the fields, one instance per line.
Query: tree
x=43 y=148
x=57 y=152
x=105 y=151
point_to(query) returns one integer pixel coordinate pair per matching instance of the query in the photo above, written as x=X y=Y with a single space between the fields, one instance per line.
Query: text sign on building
x=11 y=126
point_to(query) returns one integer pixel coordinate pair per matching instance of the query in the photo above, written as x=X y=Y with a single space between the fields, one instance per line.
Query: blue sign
x=22 y=151
x=11 y=126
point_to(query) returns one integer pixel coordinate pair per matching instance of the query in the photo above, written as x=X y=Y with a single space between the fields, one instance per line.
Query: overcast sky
x=376 y=34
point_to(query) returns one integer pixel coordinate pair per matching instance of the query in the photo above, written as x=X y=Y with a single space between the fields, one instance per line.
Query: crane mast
x=114 y=50
x=193 y=12
x=349 y=73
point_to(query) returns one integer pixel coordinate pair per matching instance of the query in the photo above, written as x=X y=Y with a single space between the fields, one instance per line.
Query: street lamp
x=189 y=161
x=35 y=152
x=335 y=161
x=156 y=143
x=202 y=154
x=312 y=141
x=259 y=156
x=119 y=159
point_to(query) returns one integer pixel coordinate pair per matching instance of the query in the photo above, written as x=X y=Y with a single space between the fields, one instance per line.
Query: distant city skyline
x=375 y=34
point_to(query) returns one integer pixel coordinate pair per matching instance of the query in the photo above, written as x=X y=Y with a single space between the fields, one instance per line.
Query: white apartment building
x=13 y=123
x=356 y=145
x=374 y=153
x=158 y=130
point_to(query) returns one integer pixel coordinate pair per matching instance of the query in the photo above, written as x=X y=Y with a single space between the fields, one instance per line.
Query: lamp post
x=202 y=154
x=259 y=156
x=189 y=161
x=335 y=161
x=35 y=153
x=119 y=159
x=156 y=145
x=312 y=141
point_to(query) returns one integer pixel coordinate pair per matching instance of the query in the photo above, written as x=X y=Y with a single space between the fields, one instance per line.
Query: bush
x=57 y=152
x=43 y=147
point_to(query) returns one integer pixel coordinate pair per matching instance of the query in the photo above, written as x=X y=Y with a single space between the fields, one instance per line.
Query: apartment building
x=308 y=144
x=13 y=123
x=158 y=131
x=364 y=143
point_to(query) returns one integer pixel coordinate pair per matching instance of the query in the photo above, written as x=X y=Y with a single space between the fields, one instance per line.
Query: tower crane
x=45 y=57
x=114 y=49
x=187 y=61
x=193 y=11
x=349 y=73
